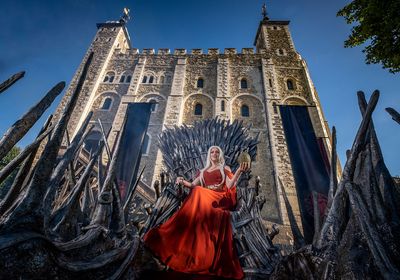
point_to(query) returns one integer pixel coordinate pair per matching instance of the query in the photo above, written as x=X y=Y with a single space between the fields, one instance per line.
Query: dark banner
x=308 y=163
x=134 y=131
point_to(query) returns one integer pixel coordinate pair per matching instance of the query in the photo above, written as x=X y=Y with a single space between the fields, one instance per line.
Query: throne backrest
x=184 y=148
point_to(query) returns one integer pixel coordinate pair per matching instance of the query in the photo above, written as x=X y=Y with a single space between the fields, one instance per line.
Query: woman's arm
x=230 y=182
x=188 y=184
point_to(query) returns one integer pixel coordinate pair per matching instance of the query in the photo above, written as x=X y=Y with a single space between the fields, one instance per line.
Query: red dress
x=198 y=238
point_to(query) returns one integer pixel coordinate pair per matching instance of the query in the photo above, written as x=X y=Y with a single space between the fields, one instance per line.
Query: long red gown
x=198 y=238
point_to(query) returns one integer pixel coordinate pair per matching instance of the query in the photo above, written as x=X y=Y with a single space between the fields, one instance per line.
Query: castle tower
x=287 y=82
x=189 y=86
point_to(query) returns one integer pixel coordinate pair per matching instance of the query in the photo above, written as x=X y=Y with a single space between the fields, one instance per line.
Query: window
x=161 y=79
x=153 y=105
x=289 y=84
x=223 y=105
x=243 y=83
x=151 y=79
x=109 y=77
x=91 y=142
x=122 y=79
x=144 y=80
x=280 y=51
x=168 y=79
x=245 y=112
x=200 y=83
x=128 y=79
x=295 y=101
x=106 y=104
x=270 y=82
x=145 y=145
x=198 y=109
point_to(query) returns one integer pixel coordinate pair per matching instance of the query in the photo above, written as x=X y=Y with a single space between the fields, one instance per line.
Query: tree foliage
x=379 y=27
x=3 y=162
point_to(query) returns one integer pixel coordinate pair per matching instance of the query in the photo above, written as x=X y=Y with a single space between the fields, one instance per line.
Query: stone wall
x=174 y=87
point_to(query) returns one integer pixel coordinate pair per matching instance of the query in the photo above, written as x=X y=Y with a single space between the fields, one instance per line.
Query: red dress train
x=198 y=238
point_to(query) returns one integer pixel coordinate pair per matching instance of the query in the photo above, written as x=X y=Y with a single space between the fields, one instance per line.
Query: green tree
x=379 y=27
x=3 y=162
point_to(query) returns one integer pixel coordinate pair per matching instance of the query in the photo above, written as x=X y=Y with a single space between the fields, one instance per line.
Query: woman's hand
x=183 y=182
x=179 y=180
x=244 y=166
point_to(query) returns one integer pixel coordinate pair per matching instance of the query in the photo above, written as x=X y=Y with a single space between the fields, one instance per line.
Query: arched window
x=144 y=80
x=243 y=83
x=223 y=105
x=198 y=109
x=128 y=79
x=151 y=79
x=289 y=84
x=245 y=111
x=153 y=105
x=145 y=145
x=122 y=79
x=161 y=79
x=91 y=143
x=109 y=78
x=106 y=104
x=200 y=83
x=295 y=101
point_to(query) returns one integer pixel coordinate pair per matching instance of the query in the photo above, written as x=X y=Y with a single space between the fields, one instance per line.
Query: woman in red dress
x=198 y=238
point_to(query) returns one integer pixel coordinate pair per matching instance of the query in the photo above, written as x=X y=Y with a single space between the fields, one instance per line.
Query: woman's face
x=214 y=154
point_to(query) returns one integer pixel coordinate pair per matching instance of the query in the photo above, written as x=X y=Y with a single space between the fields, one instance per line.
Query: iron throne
x=184 y=152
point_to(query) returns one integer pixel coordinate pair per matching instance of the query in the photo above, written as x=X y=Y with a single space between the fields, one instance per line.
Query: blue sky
x=48 y=39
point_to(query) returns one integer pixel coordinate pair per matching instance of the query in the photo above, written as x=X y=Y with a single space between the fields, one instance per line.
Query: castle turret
x=110 y=36
x=273 y=36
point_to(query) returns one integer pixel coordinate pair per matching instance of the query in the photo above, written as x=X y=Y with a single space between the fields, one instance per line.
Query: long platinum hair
x=221 y=161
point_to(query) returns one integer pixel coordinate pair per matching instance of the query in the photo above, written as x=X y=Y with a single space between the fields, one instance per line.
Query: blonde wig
x=221 y=161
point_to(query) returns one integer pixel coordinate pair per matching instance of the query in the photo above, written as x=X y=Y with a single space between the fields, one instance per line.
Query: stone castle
x=186 y=86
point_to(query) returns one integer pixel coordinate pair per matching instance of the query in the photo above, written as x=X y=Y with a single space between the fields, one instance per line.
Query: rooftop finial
x=125 y=16
x=264 y=11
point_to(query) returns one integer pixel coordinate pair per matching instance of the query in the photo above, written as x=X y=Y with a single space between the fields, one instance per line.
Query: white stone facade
x=274 y=74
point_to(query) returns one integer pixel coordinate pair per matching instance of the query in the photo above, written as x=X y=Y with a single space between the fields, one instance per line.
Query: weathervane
x=125 y=16
x=264 y=10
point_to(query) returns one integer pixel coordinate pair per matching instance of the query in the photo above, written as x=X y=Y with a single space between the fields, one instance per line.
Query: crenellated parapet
x=180 y=52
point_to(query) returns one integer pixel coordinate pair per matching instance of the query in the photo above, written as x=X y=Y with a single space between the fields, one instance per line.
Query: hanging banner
x=309 y=168
x=133 y=135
